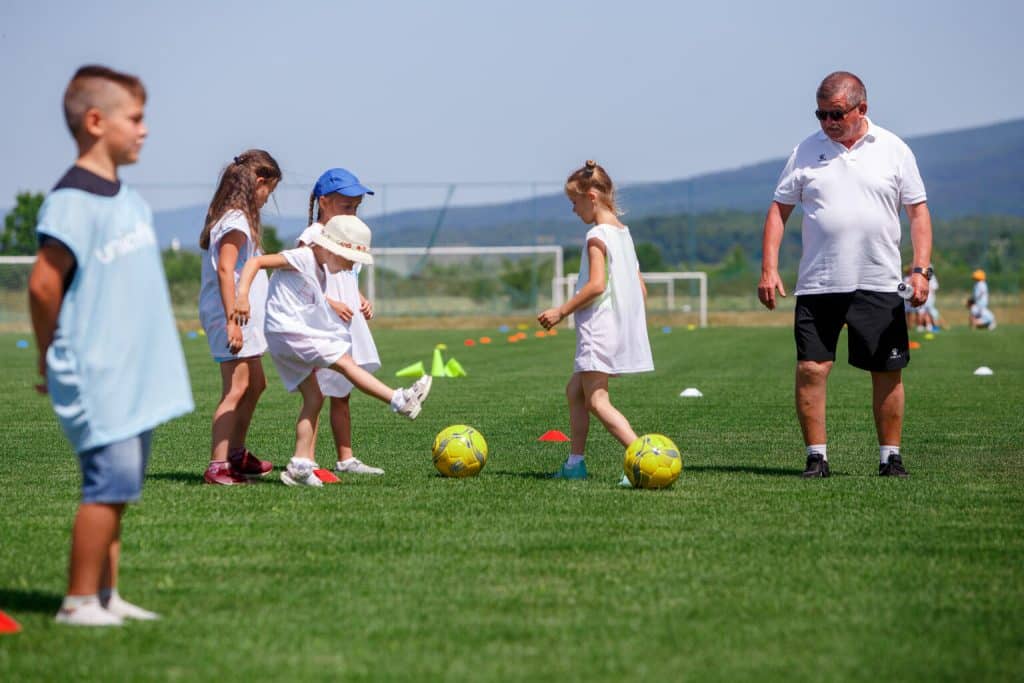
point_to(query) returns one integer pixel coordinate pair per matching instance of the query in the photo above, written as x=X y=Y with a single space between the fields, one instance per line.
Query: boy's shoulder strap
x=78 y=178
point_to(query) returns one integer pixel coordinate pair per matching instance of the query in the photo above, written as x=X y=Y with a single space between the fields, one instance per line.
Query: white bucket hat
x=348 y=237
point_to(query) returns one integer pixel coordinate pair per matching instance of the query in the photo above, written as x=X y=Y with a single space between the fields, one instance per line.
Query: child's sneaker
x=300 y=473
x=421 y=387
x=220 y=473
x=577 y=471
x=89 y=614
x=120 y=607
x=243 y=462
x=412 y=407
x=625 y=482
x=356 y=466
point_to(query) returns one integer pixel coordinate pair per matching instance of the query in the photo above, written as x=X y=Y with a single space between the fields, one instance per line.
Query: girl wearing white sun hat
x=304 y=333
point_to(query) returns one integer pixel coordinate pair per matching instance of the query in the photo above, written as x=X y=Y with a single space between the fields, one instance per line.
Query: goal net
x=462 y=281
x=683 y=295
x=14 y=271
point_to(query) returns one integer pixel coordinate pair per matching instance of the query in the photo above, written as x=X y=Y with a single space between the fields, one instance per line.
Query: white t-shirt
x=611 y=333
x=980 y=294
x=851 y=201
x=211 y=307
x=295 y=301
x=343 y=286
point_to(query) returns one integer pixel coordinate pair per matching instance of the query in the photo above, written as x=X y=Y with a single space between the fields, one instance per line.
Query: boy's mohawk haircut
x=85 y=92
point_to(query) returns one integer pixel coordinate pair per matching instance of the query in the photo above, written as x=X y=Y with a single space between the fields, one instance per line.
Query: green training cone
x=437 y=367
x=415 y=370
x=454 y=369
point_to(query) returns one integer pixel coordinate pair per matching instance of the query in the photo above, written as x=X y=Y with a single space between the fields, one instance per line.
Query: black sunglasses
x=835 y=114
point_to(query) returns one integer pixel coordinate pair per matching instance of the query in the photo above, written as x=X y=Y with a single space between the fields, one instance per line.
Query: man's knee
x=813 y=371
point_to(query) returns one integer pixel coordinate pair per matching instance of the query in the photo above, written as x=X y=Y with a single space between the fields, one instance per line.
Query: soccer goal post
x=463 y=281
x=662 y=294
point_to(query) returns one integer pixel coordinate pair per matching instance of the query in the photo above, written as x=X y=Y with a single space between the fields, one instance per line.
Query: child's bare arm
x=588 y=292
x=365 y=307
x=45 y=296
x=240 y=308
x=343 y=311
x=227 y=259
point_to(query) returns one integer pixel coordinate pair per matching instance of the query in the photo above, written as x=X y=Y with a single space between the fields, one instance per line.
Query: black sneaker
x=817 y=466
x=893 y=468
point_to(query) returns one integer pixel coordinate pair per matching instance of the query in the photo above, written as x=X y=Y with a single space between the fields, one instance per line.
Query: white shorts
x=295 y=356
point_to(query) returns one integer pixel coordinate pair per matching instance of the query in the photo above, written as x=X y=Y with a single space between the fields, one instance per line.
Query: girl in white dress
x=611 y=324
x=338 y=192
x=304 y=334
x=230 y=238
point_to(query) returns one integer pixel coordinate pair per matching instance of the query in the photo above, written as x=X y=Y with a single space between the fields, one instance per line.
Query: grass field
x=740 y=571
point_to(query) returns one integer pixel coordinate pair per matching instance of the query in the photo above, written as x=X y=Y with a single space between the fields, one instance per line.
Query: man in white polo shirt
x=850 y=179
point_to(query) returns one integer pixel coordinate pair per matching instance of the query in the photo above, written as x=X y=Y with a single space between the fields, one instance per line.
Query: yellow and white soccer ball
x=653 y=461
x=460 y=451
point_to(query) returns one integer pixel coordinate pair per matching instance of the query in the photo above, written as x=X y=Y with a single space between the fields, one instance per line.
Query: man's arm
x=45 y=296
x=774 y=225
x=921 y=238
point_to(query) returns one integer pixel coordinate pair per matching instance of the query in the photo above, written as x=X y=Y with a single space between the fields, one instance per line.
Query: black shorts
x=878 y=329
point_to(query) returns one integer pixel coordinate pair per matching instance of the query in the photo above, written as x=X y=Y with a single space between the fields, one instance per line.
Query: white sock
x=573 y=460
x=398 y=400
x=819 y=448
x=301 y=465
x=885 y=451
x=73 y=602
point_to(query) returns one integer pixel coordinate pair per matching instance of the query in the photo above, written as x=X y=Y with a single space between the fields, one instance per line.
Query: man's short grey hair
x=843 y=83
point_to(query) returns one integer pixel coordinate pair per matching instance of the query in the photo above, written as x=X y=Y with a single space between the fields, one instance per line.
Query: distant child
x=109 y=349
x=305 y=335
x=338 y=192
x=980 y=314
x=611 y=325
x=230 y=237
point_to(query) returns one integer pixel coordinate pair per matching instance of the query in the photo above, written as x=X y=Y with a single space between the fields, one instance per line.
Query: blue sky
x=436 y=92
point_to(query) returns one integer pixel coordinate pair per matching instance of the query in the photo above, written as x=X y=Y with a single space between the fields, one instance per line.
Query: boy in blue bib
x=108 y=347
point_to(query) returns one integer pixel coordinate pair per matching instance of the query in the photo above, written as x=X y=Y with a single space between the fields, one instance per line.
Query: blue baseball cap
x=342 y=181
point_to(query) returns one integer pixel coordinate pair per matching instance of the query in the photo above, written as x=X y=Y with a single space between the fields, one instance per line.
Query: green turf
x=741 y=571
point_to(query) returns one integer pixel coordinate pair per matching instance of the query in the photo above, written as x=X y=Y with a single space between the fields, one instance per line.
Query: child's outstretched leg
x=579 y=426
x=341 y=427
x=405 y=402
x=300 y=468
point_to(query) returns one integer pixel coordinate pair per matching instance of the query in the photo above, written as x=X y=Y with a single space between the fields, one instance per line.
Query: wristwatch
x=927 y=272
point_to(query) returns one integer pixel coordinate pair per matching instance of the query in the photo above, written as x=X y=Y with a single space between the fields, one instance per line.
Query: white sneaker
x=356 y=466
x=120 y=607
x=412 y=406
x=300 y=473
x=421 y=387
x=89 y=614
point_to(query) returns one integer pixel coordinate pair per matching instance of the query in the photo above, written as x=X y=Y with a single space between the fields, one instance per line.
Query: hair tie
x=238 y=160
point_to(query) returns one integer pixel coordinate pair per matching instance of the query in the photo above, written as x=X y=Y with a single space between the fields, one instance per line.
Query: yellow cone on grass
x=437 y=366
x=454 y=369
x=415 y=370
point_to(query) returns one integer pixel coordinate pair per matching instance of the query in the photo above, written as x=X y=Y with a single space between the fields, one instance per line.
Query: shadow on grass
x=191 y=478
x=763 y=471
x=29 y=601
x=523 y=475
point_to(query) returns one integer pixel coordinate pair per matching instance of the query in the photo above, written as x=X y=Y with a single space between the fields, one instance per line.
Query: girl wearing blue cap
x=338 y=192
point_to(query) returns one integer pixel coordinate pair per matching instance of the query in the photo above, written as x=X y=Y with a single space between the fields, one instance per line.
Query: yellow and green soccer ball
x=653 y=461
x=460 y=451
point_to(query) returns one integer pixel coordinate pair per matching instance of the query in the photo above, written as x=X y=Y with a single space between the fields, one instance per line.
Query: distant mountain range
x=973 y=171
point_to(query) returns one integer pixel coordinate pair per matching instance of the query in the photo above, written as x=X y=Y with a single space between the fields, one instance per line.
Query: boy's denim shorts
x=114 y=473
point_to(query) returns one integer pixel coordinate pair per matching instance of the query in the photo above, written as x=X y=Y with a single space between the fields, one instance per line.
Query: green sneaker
x=579 y=471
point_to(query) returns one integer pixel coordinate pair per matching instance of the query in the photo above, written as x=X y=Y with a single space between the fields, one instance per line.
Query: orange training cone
x=553 y=435
x=8 y=624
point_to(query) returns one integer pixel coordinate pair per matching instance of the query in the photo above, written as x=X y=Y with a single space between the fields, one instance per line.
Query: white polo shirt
x=851 y=202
